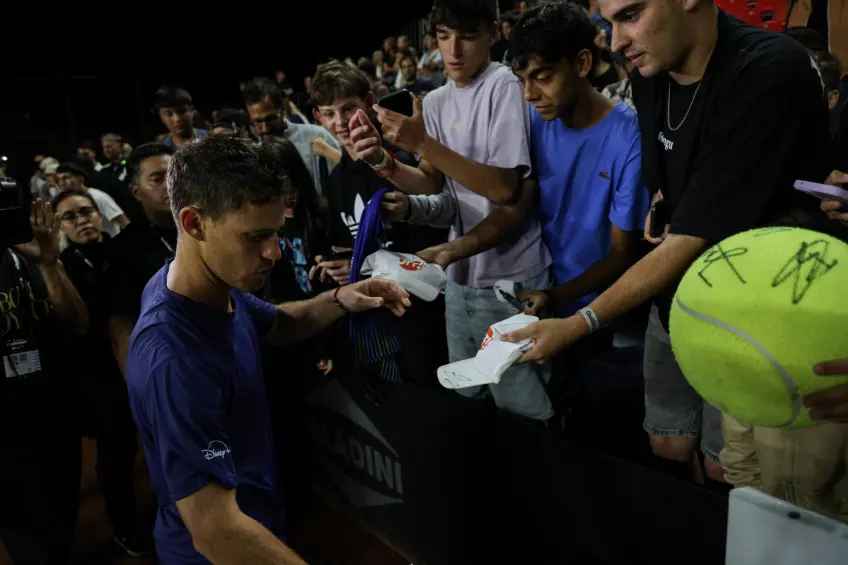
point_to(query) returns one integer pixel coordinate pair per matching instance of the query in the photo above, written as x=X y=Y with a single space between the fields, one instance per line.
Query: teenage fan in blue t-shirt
x=586 y=153
x=193 y=368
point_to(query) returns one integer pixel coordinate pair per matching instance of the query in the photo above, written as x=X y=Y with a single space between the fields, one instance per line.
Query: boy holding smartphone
x=339 y=91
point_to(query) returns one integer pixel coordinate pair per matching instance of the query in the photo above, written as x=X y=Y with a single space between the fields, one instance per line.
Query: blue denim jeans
x=469 y=313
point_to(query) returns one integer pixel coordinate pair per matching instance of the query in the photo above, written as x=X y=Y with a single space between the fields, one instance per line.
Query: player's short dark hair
x=335 y=80
x=551 y=31
x=260 y=89
x=221 y=174
x=464 y=15
x=142 y=152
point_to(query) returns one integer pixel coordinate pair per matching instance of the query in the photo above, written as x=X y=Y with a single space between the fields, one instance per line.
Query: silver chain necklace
x=668 y=108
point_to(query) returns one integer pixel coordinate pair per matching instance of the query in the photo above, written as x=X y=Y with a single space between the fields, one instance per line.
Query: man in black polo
x=143 y=247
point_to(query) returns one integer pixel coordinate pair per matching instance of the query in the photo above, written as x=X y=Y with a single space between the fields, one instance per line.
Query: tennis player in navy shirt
x=193 y=367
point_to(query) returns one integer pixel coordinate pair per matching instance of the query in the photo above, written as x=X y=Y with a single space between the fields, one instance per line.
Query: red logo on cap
x=486 y=340
x=412 y=265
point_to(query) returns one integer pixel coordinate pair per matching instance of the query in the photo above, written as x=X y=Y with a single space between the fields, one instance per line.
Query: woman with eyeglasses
x=104 y=410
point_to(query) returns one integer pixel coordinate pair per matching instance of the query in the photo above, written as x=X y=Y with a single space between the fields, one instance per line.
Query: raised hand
x=44 y=247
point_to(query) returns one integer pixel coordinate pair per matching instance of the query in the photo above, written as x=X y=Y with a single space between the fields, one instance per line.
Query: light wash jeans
x=469 y=313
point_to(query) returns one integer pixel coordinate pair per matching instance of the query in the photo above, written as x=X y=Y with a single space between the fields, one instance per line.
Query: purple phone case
x=822 y=191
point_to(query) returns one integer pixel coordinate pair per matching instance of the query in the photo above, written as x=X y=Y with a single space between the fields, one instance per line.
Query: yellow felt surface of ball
x=754 y=314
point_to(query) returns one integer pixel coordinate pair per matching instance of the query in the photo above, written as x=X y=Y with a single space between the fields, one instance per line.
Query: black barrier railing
x=446 y=480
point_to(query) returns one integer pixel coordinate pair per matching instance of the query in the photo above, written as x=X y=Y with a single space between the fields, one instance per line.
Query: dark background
x=62 y=86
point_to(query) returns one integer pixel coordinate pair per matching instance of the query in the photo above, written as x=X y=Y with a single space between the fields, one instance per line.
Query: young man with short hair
x=586 y=154
x=193 y=370
x=730 y=117
x=472 y=137
x=141 y=249
x=174 y=107
x=264 y=103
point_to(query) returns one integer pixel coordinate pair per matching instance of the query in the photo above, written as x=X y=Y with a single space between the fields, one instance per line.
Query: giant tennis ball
x=752 y=317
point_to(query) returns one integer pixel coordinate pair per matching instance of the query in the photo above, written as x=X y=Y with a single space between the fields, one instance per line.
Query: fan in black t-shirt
x=725 y=150
x=39 y=477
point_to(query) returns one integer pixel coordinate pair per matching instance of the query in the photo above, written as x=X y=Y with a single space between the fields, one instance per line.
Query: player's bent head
x=657 y=35
x=228 y=196
x=552 y=48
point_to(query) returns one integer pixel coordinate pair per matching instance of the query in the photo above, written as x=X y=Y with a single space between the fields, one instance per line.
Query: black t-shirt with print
x=137 y=253
x=35 y=395
x=758 y=121
x=351 y=185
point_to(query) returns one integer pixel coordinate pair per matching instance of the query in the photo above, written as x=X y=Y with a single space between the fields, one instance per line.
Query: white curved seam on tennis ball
x=791 y=388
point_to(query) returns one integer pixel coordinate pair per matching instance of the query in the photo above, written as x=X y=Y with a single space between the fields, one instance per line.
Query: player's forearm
x=498 y=185
x=244 y=540
x=67 y=303
x=303 y=319
x=647 y=278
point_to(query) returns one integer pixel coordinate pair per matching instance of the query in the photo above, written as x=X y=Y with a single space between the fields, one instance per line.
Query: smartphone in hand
x=338 y=255
x=659 y=218
x=400 y=102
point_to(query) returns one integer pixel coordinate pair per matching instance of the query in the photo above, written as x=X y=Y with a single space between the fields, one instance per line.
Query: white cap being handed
x=493 y=358
x=413 y=274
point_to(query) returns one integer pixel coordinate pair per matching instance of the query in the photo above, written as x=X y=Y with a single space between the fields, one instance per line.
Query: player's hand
x=395 y=206
x=406 y=132
x=374 y=293
x=538 y=303
x=549 y=337
x=830 y=404
x=365 y=139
